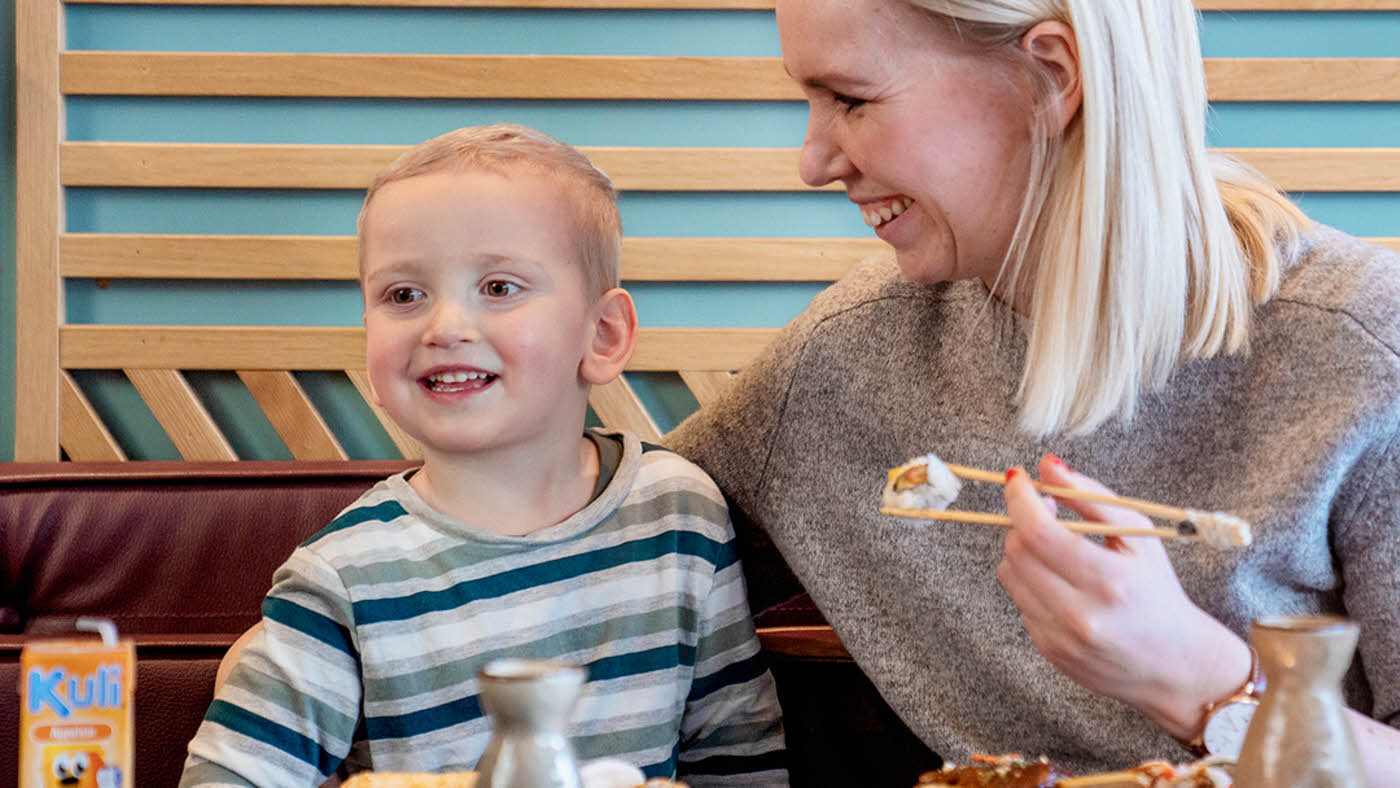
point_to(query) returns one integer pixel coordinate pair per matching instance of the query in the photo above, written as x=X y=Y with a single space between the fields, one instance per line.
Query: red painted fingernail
x=1010 y=474
x=1056 y=460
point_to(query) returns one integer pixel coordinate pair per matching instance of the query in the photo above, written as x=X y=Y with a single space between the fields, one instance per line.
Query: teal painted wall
x=584 y=123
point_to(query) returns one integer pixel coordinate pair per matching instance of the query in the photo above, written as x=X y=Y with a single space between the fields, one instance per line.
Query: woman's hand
x=1114 y=617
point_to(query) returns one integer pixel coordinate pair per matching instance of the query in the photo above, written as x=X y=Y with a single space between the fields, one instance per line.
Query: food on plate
x=996 y=771
x=455 y=780
x=400 y=780
x=922 y=483
x=1159 y=774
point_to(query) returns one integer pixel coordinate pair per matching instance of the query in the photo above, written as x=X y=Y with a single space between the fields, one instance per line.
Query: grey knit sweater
x=1298 y=437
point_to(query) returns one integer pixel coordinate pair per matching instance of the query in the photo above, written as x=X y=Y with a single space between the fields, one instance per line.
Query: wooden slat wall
x=54 y=413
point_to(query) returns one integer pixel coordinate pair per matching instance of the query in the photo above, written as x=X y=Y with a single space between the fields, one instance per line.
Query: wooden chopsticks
x=987 y=518
x=1217 y=528
x=1146 y=507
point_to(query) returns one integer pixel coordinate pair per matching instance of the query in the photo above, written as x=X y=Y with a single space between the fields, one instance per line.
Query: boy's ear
x=613 y=337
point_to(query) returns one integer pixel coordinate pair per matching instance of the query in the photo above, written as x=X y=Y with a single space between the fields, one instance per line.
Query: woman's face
x=930 y=139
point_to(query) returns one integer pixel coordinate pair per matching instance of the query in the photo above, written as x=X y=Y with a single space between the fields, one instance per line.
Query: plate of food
x=1015 y=771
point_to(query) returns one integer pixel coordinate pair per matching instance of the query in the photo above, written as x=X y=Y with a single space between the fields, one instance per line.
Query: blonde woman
x=1072 y=272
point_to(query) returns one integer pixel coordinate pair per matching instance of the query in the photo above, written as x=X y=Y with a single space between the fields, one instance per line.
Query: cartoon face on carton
x=71 y=767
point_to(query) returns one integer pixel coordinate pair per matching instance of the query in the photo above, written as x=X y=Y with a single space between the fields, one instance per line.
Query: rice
x=921 y=483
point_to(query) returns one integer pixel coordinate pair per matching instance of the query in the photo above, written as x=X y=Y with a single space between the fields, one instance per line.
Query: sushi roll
x=922 y=483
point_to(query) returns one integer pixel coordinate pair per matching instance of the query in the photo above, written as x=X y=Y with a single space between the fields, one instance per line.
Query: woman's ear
x=1054 y=46
x=614 y=336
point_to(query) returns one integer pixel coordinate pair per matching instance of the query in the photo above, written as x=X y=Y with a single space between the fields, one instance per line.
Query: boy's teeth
x=457 y=377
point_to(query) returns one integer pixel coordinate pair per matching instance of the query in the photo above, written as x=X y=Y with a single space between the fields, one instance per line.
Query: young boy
x=489 y=269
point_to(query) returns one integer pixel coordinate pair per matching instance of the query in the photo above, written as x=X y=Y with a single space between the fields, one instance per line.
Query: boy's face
x=475 y=314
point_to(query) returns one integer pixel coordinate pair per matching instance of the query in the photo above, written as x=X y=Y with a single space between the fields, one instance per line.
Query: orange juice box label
x=76 y=723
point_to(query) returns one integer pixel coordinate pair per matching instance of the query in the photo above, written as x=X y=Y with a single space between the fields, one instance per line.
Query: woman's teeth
x=875 y=217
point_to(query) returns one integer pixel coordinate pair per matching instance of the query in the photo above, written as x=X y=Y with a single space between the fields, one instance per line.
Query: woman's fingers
x=1037 y=540
x=1054 y=471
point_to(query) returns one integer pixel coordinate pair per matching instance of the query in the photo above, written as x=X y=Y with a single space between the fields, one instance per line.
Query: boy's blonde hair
x=1139 y=247
x=506 y=148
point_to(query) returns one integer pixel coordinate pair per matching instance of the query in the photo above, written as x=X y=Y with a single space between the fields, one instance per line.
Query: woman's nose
x=822 y=160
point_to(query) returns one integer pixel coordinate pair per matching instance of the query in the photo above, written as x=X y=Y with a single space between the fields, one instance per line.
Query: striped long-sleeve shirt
x=374 y=630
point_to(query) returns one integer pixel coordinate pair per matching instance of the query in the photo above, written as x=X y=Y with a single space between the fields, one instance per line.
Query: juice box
x=75 y=722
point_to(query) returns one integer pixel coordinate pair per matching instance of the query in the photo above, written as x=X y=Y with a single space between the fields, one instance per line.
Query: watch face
x=1224 y=733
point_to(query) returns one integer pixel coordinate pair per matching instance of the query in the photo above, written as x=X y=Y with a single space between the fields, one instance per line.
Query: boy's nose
x=451 y=323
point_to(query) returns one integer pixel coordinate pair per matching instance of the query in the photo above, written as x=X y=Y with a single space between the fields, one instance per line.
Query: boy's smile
x=476 y=319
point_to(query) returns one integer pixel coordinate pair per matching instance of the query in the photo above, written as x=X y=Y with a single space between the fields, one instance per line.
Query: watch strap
x=1250 y=690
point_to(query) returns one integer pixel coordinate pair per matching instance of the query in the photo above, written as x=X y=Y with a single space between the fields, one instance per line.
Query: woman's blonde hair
x=1136 y=247
x=505 y=148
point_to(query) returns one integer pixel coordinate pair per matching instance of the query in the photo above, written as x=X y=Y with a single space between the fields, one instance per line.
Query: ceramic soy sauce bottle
x=1300 y=737
x=529 y=702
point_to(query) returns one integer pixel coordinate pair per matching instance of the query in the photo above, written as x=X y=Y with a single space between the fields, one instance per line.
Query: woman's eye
x=499 y=288
x=847 y=102
x=404 y=295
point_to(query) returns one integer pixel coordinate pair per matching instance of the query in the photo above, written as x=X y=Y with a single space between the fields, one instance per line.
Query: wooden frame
x=52 y=412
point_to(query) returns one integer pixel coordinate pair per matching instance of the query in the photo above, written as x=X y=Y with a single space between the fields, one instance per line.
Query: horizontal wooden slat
x=608 y=77
x=210 y=165
x=1327 y=169
x=425 y=76
x=733 y=5
x=146 y=164
x=1303 y=79
x=342 y=348
x=333 y=257
x=1393 y=243
x=1204 y=5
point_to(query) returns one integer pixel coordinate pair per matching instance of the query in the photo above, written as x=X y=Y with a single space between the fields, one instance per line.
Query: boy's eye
x=404 y=295
x=499 y=288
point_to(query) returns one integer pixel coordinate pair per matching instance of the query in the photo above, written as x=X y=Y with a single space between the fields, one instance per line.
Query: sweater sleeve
x=731 y=732
x=288 y=712
x=1368 y=547
x=731 y=439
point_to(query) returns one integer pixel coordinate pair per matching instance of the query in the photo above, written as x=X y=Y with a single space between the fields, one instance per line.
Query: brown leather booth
x=179 y=555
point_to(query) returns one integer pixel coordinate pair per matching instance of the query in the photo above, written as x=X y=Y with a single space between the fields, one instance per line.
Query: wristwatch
x=1226 y=720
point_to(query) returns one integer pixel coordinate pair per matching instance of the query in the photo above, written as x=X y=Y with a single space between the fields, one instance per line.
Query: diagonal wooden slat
x=647 y=169
x=577 y=77
x=343 y=347
x=302 y=257
x=407 y=445
x=707 y=385
x=292 y=415
x=83 y=436
x=426 y=76
x=617 y=406
x=180 y=413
